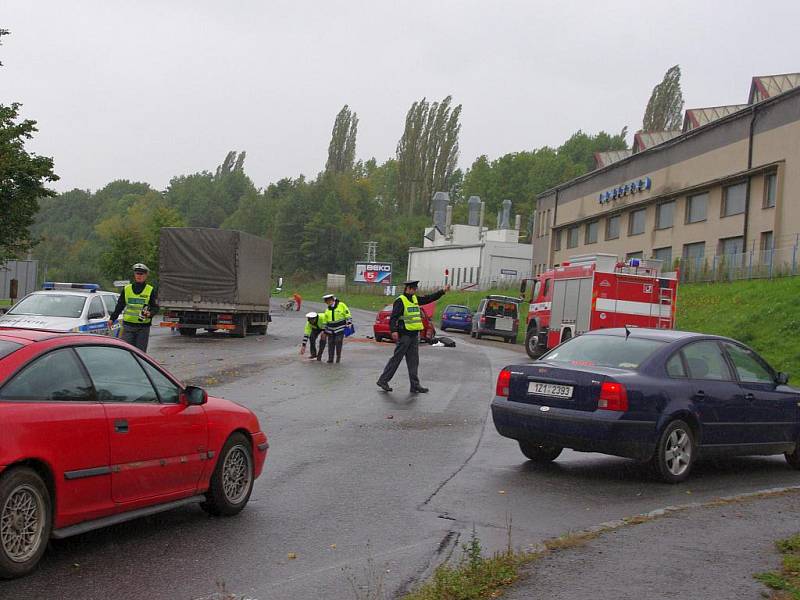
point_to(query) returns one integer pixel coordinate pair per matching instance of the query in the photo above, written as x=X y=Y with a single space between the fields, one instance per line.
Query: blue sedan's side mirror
x=782 y=378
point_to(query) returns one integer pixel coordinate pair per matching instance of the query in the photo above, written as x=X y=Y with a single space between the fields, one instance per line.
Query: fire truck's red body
x=597 y=292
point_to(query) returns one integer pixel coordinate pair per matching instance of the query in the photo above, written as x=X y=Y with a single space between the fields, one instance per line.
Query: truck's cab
x=538 y=320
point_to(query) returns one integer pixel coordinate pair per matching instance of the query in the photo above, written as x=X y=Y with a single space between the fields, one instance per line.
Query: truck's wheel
x=232 y=480
x=187 y=331
x=241 y=328
x=25 y=521
x=532 y=343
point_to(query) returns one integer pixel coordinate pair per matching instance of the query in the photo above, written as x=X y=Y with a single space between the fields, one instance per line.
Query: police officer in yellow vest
x=137 y=304
x=335 y=318
x=405 y=325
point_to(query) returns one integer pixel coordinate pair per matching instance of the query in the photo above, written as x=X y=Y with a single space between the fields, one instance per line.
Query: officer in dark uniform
x=406 y=325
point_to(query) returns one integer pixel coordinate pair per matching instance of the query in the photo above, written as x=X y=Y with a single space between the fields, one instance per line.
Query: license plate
x=550 y=389
x=503 y=324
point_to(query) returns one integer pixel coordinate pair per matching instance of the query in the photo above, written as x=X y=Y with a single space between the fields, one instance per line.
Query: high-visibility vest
x=134 y=303
x=312 y=325
x=336 y=317
x=412 y=314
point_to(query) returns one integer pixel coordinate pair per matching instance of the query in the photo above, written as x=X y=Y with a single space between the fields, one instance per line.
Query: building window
x=612 y=227
x=693 y=254
x=664 y=255
x=591 y=232
x=557 y=239
x=729 y=246
x=696 y=208
x=766 y=240
x=733 y=200
x=770 y=189
x=664 y=213
x=636 y=221
x=631 y=255
x=573 y=233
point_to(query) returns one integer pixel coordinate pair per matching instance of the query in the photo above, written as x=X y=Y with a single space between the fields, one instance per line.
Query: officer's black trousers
x=335 y=343
x=136 y=336
x=313 y=341
x=407 y=346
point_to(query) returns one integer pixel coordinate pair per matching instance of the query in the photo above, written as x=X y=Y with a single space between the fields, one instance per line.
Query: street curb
x=595 y=531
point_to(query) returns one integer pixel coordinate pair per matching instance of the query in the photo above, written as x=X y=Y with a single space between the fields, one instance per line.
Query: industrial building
x=471 y=255
x=722 y=191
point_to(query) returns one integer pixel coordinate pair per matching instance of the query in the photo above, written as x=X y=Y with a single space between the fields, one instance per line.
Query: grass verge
x=785 y=584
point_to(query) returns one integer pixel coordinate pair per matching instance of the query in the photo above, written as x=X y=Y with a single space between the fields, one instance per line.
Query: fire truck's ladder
x=666 y=297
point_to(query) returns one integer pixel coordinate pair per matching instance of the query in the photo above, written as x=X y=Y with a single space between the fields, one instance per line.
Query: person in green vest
x=406 y=325
x=138 y=304
x=336 y=318
x=314 y=328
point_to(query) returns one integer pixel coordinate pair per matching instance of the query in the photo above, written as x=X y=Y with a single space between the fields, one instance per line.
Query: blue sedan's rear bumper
x=596 y=431
x=462 y=325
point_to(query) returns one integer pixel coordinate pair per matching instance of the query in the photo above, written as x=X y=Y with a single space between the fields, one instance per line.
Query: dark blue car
x=458 y=317
x=667 y=397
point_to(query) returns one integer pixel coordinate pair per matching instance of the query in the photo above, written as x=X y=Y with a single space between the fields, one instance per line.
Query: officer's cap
x=311 y=315
x=141 y=267
x=328 y=297
x=411 y=283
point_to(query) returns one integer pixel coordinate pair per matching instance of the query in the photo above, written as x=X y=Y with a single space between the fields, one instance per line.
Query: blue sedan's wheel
x=539 y=453
x=675 y=453
x=794 y=458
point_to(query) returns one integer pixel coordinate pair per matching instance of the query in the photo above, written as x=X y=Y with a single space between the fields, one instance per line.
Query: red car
x=95 y=433
x=381 y=326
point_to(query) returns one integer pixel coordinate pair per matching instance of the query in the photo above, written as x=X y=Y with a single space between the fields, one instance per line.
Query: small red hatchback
x=381 y=326
x=94 y=433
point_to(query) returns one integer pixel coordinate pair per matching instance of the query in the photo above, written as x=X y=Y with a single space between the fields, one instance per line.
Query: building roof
x=766 y=86
x=647 y=139
x=697 y=117
x=603 y=159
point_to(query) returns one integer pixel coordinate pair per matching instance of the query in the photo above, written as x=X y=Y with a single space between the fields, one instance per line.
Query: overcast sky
x=149 y=89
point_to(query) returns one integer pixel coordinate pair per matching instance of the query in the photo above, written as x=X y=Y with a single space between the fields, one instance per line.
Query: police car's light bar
x=56 y=285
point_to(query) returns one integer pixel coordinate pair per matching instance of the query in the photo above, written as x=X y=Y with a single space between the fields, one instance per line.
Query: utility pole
x=372 y=251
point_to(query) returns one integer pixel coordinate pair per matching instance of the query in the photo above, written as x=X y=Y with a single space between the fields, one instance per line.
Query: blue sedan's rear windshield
x=7 y=348
x=604 y=351
x=458 y=310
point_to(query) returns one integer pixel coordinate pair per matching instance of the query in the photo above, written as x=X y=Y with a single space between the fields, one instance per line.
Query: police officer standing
x=137 y=304
x=313 y=330
x=405 y=325
x=336 y=318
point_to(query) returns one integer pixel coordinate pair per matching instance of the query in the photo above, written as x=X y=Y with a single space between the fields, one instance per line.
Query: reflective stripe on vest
x=337 y=321
x=412 y=314
x=134 y=303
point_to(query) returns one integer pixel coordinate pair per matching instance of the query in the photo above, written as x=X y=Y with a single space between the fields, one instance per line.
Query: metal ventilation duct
x=440 y=202
x=474 y=207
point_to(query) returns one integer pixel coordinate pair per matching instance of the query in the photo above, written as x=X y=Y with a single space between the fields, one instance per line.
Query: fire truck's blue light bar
x=55 y=285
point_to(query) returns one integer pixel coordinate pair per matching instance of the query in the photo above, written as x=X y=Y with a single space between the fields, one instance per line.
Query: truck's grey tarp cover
x=214 y=265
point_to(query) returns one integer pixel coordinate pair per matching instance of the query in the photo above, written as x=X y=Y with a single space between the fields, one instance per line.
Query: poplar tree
x=664 y=111
x=427 y=152
x=342 y=149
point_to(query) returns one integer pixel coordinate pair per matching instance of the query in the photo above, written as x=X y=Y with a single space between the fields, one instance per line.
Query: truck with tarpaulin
x=214 y=280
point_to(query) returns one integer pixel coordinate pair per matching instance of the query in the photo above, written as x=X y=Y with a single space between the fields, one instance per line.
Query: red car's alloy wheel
x=22 y=523
x=236 y=473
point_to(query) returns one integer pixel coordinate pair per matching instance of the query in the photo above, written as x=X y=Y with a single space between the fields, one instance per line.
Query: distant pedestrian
x=405 y=325
x=138 y=304
x=336 y=318
x=312 y=332
x=298 y=301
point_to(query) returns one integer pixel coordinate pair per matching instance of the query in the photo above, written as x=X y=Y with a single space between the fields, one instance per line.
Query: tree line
x=318 y=225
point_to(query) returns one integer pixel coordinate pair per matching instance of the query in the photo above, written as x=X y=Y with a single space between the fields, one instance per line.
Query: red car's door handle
x=121 y=426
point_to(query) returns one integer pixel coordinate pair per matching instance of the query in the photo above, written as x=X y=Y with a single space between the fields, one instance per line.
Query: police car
x=78 y=307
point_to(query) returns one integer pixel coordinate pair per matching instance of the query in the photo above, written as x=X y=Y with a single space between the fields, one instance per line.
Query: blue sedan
x=458 y=317
x=666 y=397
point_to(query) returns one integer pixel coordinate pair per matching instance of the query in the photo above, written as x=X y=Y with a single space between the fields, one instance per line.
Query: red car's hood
x=429 y=309
x=232 y=410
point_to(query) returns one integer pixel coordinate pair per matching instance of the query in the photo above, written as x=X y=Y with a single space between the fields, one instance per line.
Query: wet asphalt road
x=364 y=488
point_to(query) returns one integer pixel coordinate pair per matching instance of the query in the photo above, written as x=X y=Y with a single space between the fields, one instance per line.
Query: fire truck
x=597 y=291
